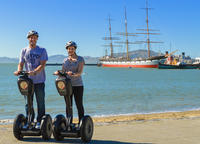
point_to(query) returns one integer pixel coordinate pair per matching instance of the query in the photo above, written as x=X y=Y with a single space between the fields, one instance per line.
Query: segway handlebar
x=62 y=73
x=23 y=73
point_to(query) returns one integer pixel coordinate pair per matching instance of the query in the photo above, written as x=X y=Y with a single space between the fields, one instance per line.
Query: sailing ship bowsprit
x=111 y=61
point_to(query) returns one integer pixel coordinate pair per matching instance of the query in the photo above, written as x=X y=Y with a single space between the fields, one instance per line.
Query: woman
x=73 y=66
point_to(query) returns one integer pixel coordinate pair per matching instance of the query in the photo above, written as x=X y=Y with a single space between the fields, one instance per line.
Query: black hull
x=183 y=66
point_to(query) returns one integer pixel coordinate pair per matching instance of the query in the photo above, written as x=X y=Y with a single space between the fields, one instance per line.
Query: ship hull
x=183 y=66
x=131 y=64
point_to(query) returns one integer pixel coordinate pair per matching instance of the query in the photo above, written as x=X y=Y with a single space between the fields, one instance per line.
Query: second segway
x=62 y=126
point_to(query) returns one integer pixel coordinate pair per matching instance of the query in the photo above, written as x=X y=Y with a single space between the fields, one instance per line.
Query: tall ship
x=112 y=61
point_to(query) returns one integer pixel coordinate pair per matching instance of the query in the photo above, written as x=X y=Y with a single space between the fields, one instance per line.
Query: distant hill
x=8 y=60
x=52 y=59
x=60 y=58
x=137 y=54
x=88 y=59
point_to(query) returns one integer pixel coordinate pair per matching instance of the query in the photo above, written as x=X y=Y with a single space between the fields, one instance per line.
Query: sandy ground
x=163 y=128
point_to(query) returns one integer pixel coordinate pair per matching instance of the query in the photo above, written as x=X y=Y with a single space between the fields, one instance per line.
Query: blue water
x=111 y=91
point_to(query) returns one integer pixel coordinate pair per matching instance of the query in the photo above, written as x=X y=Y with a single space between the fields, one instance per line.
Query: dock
x=60 y=64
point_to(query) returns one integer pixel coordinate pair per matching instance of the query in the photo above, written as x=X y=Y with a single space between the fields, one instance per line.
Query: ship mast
x=110 y=38
x=148 y=33
x=147 y=21
x=127 y=55
x=126 y=34
x=111 y=46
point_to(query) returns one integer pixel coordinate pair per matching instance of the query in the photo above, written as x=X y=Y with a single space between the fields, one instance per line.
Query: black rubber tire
x=86 y=130
x=46 y=127
x=19 y=122
x=59 y=121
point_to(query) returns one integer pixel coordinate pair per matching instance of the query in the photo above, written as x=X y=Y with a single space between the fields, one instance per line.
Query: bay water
x=110 y=91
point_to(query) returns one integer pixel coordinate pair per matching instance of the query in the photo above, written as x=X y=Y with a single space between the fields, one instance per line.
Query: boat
x=180 y=66
x=150 y=62
x=178 y=62
x=197 y=60
x=130 y=64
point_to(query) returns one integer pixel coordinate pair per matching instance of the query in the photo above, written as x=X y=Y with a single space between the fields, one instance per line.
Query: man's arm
x=39 y=68
x=19 y=68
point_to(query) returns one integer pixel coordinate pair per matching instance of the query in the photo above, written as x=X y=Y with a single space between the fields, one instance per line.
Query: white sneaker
x=37 y=125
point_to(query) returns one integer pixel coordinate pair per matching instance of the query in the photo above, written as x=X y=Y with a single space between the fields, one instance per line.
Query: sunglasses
x=70 y=48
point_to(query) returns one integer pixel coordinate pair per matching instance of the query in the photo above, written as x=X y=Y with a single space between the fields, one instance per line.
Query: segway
x=63 y=127
x=26 y=88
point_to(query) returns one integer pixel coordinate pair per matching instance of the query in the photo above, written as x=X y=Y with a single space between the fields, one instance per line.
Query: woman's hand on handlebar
x=62 y=73
x=70 y=73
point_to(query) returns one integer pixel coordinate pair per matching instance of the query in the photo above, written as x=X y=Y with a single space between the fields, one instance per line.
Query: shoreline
x=146 y=117
x=133 y=117
x=159 y=128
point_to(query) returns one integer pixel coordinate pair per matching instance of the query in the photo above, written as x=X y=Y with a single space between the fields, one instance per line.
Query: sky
x=86 y=23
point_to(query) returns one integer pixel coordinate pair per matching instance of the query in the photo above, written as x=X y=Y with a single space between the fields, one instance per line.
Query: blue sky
x=85 y=22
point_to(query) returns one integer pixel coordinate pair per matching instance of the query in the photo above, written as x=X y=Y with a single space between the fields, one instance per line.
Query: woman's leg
x=78 y=96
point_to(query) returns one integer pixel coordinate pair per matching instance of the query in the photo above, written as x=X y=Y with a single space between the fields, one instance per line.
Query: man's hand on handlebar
x=56 y=73
x=16 y=73
x=32 y=73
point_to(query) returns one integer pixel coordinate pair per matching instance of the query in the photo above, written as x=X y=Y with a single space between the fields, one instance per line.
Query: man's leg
x=40 y=98
x=32 y=109
x=32 y=113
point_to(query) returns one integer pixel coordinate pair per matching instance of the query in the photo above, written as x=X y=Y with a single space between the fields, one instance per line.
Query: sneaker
x=77 y=127
x=72 y=125
x=37 y=125
x=25 y=126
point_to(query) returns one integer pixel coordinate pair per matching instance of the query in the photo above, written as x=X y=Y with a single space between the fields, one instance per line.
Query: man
x=34 y=58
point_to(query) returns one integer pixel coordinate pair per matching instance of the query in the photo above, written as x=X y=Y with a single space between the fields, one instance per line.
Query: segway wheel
x=46 y=127
x=86 y=130
x=19 y=122
x=59 y=124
